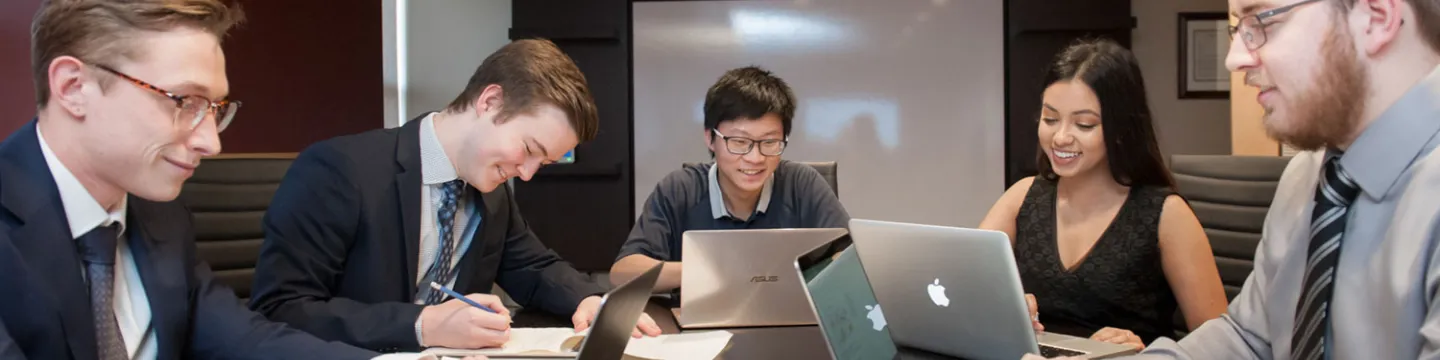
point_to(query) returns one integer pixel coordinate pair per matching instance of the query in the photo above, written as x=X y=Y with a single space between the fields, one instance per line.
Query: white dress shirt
x=132 y=306
x=1386 y=302
x=435 y=170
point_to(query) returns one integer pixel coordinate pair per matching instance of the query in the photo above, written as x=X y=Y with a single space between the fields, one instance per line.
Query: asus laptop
x=957 y=292
x=744 y=278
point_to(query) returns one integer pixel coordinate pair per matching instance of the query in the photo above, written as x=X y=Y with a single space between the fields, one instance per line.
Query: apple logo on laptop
x=877 y=317
x=937 y=293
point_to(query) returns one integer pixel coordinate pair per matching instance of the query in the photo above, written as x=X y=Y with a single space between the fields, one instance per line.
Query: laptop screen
x=851 y=319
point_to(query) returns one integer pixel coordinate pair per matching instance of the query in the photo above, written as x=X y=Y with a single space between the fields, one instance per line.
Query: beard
x=1330 y=112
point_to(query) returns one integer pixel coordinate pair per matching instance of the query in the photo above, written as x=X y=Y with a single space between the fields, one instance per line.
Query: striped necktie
x=1327 y=227
x=440 y=271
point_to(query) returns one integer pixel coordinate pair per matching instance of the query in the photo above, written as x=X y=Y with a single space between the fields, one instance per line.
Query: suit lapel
x=163 y=273
x=44 y=238
x=407 y=188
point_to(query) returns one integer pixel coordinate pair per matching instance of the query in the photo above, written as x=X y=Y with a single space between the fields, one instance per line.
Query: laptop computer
x=743 y=278
x=609 y=333
x=957 y=292
x=620 y=310
x=852 y=322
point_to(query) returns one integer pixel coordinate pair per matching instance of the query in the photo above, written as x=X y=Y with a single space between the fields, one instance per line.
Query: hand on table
x=585 y=316
x=1119 y=336
x=455 y=324
x=1034 y=313
x=1038 y=357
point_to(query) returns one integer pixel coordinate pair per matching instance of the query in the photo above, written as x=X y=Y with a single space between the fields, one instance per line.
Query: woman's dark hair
x=1114 y=74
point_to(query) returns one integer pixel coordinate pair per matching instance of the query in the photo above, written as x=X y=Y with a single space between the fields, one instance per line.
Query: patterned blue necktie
x=440 y=271
x=97 y=250
x=1327 y=226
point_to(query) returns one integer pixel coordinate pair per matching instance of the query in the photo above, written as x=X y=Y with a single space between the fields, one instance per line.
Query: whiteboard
x=906 y=95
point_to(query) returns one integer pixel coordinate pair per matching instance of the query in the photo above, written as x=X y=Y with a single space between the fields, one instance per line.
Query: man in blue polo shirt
x=748 y=115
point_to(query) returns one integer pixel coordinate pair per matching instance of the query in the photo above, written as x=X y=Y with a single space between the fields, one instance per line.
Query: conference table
x=759 y=343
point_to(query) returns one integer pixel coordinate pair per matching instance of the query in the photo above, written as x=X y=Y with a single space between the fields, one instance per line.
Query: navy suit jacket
x=45 y=305
x=342 y=239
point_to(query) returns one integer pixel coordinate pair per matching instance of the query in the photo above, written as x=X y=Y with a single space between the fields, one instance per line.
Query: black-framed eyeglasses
x=743 y=145
x=190 y=110
x=1252 y=28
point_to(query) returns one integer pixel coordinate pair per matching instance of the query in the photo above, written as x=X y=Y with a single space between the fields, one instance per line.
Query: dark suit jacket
x=342 y=242
x=45 y=305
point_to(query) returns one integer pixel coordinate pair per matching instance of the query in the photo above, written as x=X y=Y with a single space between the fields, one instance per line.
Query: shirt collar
x=82 y=211
x=435 y=166
x=717 y=198
x=1394 y=140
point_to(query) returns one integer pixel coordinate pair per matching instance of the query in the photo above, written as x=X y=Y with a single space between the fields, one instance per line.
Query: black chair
x=828 y=170
x=1230 y=196
x=228 y=198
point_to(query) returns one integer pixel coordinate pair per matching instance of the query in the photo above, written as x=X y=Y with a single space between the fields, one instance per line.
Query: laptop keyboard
x=1050 y=352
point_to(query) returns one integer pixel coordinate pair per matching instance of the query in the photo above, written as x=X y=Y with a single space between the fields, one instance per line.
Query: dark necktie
x=440 y=271
x=97 y=250
x=1327 y=227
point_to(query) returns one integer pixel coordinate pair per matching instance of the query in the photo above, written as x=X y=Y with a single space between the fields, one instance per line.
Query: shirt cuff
x=419 y=334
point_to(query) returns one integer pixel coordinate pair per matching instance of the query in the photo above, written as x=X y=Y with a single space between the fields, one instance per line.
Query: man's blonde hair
x=101 y=30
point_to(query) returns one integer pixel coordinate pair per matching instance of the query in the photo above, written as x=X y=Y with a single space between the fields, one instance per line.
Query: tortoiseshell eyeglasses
x=191 y=108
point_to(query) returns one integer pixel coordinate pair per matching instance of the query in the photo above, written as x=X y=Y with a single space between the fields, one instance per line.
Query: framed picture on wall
x=1203 y=42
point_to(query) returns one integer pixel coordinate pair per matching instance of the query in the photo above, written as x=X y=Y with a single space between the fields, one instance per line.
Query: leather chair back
x=1230 y=196
x=228 y=198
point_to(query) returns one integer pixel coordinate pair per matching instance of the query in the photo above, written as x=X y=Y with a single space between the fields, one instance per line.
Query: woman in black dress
x=1102 y=241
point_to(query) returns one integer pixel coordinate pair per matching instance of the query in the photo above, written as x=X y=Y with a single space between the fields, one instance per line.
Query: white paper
x=521 y=340
x=405 y=356
x=700 y=345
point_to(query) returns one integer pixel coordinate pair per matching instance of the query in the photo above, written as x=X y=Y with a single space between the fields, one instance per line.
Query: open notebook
x=562 y=343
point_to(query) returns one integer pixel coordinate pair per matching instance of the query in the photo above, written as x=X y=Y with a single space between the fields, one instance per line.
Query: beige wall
x=1247 y=133
x=1184 y=126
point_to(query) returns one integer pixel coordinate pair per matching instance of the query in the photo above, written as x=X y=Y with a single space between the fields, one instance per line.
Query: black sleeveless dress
x=1120 y=283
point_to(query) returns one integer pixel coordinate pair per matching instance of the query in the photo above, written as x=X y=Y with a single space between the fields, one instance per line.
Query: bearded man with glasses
x=1348 y=265
x=748 y=116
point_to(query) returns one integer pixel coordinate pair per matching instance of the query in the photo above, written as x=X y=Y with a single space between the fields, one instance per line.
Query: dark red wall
x=17 y=87
x=305 y=71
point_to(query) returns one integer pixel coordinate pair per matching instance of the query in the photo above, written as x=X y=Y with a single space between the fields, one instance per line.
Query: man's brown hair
x=531 y=73
x=101 y=30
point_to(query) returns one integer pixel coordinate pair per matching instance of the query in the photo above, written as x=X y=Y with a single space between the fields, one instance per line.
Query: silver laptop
x=742 y=278
x=852 y=322
x=609 y=334
x=957 y=292
x=620 y=309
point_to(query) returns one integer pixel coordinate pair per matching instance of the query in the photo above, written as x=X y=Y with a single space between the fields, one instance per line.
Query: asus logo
x=763 y=278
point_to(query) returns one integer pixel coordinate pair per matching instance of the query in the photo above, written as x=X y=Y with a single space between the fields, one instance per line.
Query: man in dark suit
x=362 y=225
x=96 y=259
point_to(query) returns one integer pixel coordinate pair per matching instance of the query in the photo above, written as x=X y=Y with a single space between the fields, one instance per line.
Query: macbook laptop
x=957 y=292
x=742 y=278
x=852 y=322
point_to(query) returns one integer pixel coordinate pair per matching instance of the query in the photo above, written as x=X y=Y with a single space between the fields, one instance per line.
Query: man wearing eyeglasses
x=1349 y=262
x=97 y=260
x=748 y=114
